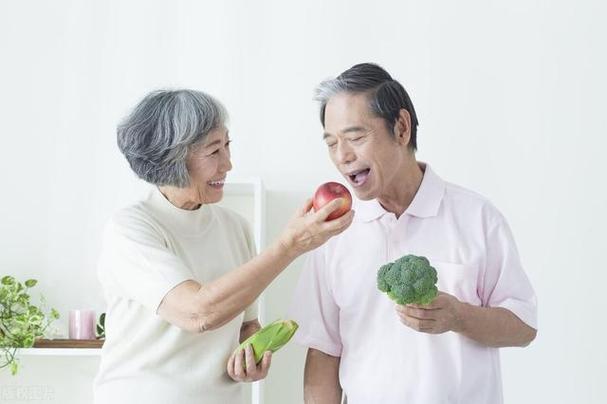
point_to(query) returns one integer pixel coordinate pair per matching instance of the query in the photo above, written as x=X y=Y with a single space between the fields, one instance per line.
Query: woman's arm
x=199 y=308
x=248 y=328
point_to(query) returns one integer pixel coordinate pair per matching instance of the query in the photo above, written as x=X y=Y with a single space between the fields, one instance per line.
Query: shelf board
x=68 y=343
x=59 y=351
x=63 y=347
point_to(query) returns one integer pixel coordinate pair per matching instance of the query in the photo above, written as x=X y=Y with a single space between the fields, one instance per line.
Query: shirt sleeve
x=314 y=309
x=252 y=312
x=136 y=264
x=505 y=283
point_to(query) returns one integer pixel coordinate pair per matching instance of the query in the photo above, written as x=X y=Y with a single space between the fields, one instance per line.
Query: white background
x=510 y=96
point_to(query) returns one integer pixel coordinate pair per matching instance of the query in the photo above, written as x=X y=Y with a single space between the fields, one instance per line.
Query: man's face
x=361 y=146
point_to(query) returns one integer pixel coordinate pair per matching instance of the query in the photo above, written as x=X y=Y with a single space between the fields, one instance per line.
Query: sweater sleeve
x=136 y=264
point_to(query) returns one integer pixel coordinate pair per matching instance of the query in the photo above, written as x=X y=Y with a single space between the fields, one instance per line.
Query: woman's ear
x=402 y=127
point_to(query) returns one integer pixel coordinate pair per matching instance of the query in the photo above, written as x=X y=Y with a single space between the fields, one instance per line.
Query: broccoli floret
x=408 y=280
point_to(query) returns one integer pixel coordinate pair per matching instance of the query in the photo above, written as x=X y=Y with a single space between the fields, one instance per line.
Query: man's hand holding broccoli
x=411 y=282
x=440 y=316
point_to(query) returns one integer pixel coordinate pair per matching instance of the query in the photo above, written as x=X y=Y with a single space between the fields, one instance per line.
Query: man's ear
x=402 y=127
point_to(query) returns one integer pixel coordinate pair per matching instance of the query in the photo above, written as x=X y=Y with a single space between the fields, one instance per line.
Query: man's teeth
x=217 y=182
x=355 y=173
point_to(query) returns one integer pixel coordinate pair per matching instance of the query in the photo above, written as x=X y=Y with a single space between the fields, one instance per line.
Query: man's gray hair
x=156 y=136
x=386 y=95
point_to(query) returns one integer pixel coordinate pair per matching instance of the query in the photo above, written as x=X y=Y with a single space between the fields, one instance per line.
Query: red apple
x=329 y=191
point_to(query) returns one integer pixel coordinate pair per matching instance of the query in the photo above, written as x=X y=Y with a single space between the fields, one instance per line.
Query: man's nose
x=345 y=154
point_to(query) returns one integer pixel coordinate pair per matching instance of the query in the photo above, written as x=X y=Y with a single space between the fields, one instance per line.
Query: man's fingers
x=416 y=323
x=434 y=305
x=416 y=312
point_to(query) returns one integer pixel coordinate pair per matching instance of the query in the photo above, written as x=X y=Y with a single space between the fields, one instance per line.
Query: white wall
x=510 y=97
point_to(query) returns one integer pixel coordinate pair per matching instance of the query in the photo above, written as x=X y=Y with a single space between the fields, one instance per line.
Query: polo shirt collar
x=426 y=201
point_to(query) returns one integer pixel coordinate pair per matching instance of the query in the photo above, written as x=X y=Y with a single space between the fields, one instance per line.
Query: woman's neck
x=182 y=198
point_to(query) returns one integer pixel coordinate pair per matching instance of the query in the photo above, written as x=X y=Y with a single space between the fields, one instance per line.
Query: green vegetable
x=101 y=326
x=408 y=280
x=20 y=321
x=272 y=337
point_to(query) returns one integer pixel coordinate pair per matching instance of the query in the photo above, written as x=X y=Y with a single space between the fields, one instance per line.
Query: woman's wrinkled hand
x=242 y=367
x=308 y=229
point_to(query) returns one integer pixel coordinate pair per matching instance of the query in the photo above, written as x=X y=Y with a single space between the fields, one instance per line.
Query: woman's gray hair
x=386 y=95
x=156 y=136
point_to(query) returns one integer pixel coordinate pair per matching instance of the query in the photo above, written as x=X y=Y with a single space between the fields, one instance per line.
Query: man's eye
x=228 y=143
x=356 y=139
x=331 y=145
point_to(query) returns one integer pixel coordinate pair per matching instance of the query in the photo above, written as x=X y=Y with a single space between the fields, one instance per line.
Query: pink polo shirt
x=341 y=312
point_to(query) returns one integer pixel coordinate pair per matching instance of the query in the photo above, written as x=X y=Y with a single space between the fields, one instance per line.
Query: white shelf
x=251 y=188
x=59 y=352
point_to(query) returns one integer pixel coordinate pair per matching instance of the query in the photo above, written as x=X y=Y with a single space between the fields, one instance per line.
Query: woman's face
x=208 y=163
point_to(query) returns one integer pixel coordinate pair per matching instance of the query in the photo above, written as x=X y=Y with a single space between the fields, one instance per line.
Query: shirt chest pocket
x=354 y=283
x=459 y=280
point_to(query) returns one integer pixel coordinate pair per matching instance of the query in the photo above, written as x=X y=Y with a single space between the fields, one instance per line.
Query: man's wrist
x=462 y=317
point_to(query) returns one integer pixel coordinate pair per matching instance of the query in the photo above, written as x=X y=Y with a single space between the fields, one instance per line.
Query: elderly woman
x=180 y=274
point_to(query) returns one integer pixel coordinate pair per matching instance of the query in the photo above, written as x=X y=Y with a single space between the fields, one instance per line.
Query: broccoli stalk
x=408 y=280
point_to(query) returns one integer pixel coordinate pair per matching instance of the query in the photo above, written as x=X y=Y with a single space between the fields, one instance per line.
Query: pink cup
x=82 y=324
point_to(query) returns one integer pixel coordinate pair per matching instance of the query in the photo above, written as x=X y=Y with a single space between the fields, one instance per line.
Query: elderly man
x=359 y=342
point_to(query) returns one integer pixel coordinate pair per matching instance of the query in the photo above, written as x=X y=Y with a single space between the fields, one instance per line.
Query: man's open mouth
x=358 y=177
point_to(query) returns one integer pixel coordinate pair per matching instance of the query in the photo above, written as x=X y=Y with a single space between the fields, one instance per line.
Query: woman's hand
x=242 y=368
x=308 y=229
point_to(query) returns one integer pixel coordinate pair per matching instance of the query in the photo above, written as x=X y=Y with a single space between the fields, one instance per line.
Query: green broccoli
x=408 y=280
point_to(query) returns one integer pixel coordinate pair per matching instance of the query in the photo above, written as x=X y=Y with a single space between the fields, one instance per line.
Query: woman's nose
x=226 y=163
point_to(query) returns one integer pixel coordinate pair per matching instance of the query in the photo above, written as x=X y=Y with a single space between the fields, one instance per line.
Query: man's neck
x=403 y=188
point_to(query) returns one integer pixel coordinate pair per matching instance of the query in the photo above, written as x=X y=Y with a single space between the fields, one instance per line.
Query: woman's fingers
x=307 y=207
x=340 y=224
x=239 y=370
x=242 y=367
x=265 y=363
x=230 y=366
x=324 y=212
x=251 y=366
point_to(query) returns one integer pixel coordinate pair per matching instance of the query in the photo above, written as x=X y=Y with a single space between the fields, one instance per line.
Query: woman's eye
x=226 y=145
x=356 y=139
x=331 y=145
